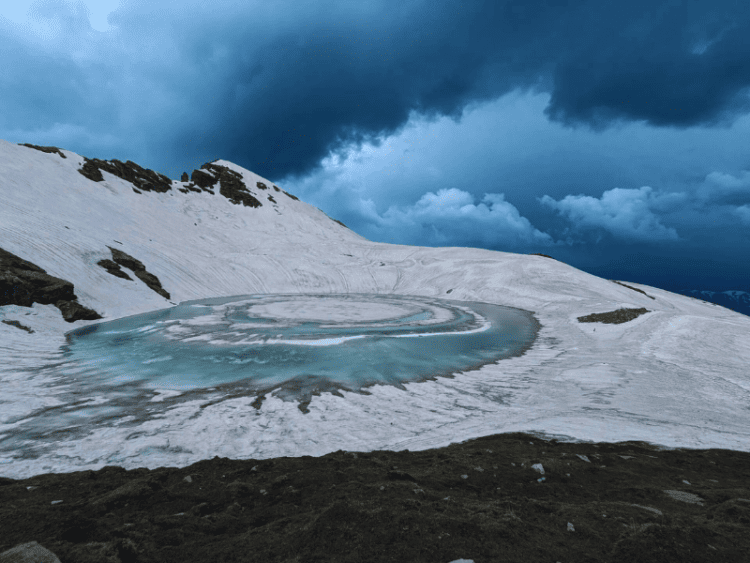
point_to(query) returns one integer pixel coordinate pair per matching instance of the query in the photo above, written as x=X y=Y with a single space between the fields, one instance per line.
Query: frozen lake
x=135 y=369
x=297 y=344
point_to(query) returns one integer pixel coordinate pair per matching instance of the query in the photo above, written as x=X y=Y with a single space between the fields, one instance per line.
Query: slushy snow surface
x=676 y=376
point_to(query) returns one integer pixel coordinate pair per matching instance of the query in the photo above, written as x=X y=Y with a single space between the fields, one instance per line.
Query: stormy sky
x=614 y=136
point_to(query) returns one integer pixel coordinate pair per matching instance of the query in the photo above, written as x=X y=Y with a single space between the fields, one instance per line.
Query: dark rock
x=634 y=289
x=481 y=500
x=614 y=317
x=90 y=170
x=113 y=268
x=538 y=254
x=202 y=179
x=184 y=177
x=23 y=283
x=290 y=195
x=335 y=220
x=270 y=198
x=153 y=282
x=126 y=260
x=51 y=150
x=396 y=475
x=276 y=188
x=231 y=185
x=18 y=325
x=261 y=186
x=193 y=188
x=142 y=178
x=73 y=311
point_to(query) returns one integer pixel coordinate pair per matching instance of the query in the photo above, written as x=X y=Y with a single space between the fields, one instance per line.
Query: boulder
x=30 y=552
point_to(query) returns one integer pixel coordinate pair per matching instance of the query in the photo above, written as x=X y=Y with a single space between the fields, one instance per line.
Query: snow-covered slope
x=676 y=375
x=736 y=300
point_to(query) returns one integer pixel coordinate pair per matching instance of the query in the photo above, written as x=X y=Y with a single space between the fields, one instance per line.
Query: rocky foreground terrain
x=507 y=497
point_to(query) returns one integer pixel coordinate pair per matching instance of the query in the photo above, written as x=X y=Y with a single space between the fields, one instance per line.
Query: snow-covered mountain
x=736 y=300
x=87 y=240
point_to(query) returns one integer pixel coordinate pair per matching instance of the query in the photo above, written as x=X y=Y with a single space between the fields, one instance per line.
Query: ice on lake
x=134 y=369
x=297 y=342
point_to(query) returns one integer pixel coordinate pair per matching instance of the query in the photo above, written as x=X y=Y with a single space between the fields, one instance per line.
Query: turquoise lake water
x=270 y=342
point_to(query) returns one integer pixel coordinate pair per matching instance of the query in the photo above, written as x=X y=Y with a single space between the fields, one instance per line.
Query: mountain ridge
x=629 y=346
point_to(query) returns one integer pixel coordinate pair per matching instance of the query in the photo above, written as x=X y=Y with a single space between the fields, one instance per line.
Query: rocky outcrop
x=230 y=182
x=540 y=254
x=634 y=289
x=232 y=186
x=51 y=150
x=18 y=325
x=113 y=268
x=23 y=283
x=122 y=259
x=204 y=179
x=614 y=317
x=549 y=500
x=141 y=178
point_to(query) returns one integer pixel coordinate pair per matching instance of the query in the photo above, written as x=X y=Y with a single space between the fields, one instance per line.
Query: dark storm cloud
x=676 y=64
x=277 y=86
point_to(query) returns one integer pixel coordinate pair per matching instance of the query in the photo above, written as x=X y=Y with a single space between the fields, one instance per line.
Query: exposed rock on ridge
x=51 y=150
x=204 y=179
x=231 y=185
x=634 y=289
x=23 y=283
x=142 y=178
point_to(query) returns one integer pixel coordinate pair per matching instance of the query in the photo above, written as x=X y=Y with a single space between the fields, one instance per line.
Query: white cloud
x=27 y=13
x=743 y=213
x=450 y=216
x=719 y=185
x=625 y=213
